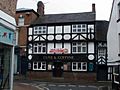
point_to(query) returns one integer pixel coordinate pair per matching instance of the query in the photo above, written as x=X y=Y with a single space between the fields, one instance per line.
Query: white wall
x=112 y=37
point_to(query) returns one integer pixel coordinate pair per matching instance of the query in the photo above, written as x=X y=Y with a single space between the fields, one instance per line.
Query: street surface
x=63 y=86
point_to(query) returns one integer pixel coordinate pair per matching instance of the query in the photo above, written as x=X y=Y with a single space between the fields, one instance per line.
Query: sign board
x=7 y=36
x=59 y=50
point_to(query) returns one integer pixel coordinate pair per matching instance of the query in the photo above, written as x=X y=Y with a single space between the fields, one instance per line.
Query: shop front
x=7 y=43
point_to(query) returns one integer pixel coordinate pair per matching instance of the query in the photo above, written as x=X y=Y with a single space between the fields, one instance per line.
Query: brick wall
x=8 y=6
x=68 y=76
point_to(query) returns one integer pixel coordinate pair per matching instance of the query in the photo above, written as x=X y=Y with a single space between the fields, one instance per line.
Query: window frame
x=81 y=68
x=41 y=65
x=82 y=45
x=21 y=20
x=78 y=28
x=38 y=48
x=40 y=29
x=101 y=52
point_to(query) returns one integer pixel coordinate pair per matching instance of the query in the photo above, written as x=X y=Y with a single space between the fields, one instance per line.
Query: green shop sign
x=7 y=36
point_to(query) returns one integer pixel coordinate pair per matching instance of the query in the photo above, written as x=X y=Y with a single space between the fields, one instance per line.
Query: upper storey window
x=79 y=28
x=40 y=30
x=21 y=20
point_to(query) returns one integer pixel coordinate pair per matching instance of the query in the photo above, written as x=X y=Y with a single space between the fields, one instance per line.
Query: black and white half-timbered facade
x=66 y=45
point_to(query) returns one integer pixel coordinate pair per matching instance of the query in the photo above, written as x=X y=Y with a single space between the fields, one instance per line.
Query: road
x=64 y=86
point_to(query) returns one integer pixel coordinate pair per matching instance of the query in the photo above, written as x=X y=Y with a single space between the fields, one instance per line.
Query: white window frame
x=21 y=20
x=81 y=68
x=79 y=28
x=40 y=30
x=42 y=64
x=101 y=52
x=38 y=48
x=81 y=45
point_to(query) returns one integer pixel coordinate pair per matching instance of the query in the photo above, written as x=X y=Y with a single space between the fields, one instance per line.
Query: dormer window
x=21 y=20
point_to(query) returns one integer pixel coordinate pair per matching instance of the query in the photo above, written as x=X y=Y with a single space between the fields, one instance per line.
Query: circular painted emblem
x=91 y=57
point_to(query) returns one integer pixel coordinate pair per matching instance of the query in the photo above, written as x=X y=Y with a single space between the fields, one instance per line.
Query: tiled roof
x=65 y=18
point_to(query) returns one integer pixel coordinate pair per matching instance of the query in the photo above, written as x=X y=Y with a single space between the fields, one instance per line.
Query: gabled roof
x=65 y=18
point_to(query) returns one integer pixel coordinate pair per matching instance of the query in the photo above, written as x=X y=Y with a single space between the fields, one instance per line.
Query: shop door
x=57 y=69
x=102 y=73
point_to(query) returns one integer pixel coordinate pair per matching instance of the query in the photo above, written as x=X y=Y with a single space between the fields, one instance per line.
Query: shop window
x=79 y=28
x=79 y=47
x=21 y=20
x=79 y=66
x=39 y=48
x=40 y=30
x=39 y=65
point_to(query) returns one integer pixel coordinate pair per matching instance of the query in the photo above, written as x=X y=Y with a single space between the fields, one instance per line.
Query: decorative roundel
x=91 y=57
x=58 y=37
x=50 y=37
x=91 y=36
x=30 y=57
x=66 y=37
x=30 y=38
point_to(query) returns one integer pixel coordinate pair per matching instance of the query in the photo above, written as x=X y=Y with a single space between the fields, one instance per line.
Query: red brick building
x=23 y=18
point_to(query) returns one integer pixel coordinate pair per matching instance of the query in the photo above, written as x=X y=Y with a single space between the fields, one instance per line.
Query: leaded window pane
x=74 y=49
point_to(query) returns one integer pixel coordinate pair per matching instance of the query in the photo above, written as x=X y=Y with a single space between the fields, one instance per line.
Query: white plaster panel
x=58 y=45
x=51 y=30
x=30 y=31
x=67 y=29
x=67 y=46
x=50 y=46
x=58 y=29
x=91 y=47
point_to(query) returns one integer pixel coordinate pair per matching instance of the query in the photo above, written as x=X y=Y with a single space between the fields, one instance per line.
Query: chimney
x=93 y=8
x=40 y=8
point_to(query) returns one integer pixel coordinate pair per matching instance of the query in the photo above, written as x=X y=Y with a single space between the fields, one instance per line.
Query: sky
x=103 y=7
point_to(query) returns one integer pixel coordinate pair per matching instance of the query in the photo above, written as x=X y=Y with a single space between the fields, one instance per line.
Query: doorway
x=102 y=72
x=57 y=69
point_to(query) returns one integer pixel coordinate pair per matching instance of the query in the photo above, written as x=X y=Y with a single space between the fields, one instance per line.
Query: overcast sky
x=103 y=7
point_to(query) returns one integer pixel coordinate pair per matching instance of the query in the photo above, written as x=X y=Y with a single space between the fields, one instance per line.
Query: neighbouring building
x=7 y=43
x=113 y=39
x=70 y=46
x=23 y=19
